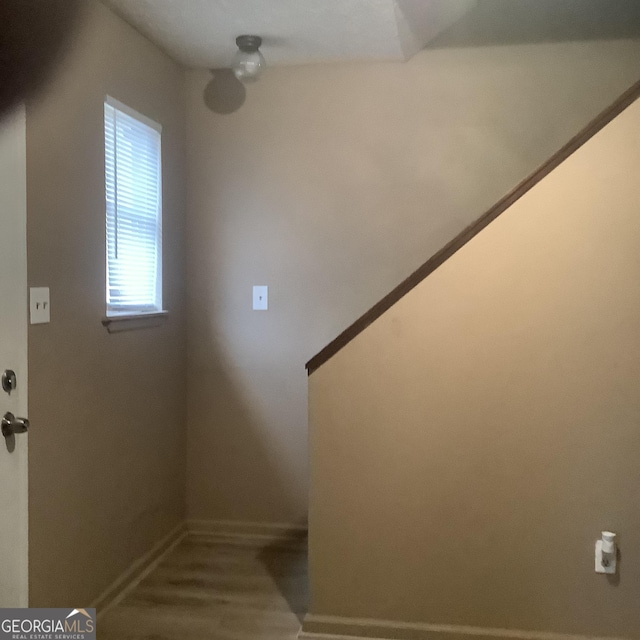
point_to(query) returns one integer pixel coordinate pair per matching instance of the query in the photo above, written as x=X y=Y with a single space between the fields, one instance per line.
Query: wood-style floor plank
x=215 y=590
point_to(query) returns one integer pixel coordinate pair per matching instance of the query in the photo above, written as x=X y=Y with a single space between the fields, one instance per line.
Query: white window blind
x=134 y=211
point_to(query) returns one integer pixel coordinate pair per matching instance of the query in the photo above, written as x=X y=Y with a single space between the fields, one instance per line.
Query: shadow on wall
x=225 y=93
x=504 y=22
x=236 y=474
x=236 y=470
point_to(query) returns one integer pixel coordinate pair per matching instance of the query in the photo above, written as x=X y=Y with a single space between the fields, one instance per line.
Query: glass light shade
x=248 y=65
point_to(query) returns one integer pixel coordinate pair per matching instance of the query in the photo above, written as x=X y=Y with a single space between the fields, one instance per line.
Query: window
x=133 y=180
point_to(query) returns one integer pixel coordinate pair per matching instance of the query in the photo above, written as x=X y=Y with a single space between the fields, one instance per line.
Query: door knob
x=11 y=425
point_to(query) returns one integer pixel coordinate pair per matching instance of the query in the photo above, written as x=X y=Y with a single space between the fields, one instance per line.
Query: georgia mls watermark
x=48 y=624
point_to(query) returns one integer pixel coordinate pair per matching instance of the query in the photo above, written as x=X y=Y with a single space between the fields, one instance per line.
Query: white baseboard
x=246 y=533
x=115 y=592
x=319 y=627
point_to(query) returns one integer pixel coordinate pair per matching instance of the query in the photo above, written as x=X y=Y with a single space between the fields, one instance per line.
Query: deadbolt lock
x=9 y=381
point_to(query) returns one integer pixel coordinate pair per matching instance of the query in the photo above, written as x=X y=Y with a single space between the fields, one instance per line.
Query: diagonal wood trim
x=625 y=100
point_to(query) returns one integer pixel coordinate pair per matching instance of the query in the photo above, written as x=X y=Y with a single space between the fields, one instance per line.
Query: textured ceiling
x=201 y=33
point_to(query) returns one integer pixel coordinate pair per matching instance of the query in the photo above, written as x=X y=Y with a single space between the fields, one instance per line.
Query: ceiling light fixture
x=249 y=63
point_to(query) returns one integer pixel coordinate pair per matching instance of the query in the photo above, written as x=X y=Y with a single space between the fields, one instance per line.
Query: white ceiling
x=201 y=33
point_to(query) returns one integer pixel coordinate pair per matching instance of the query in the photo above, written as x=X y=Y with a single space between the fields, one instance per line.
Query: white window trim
x=123 y=319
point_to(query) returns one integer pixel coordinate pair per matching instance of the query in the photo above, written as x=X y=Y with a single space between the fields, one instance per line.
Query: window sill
x=131 y=322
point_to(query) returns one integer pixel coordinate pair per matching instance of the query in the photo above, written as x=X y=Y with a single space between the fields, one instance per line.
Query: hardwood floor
x=214 y=590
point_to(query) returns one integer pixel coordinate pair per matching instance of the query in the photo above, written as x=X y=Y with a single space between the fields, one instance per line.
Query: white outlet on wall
x=606 y=553
x=39 y=305
x=260 y=297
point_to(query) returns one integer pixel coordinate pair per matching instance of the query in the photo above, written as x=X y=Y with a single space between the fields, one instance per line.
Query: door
x=13 y=356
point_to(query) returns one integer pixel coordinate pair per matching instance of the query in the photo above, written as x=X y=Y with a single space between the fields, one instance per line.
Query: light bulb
x=248 y=63
x=247 y=67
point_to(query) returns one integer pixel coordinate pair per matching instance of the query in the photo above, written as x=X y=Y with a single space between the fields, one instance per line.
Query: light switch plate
x=260 y=297
x=39 y=305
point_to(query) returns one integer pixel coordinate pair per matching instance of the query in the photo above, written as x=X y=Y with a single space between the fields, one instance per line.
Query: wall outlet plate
x=39 y=305
x=601 y=567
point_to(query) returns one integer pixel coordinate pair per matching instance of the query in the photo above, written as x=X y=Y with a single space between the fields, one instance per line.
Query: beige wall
x=107 y=446
x=470 y=445
x=330 y=185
